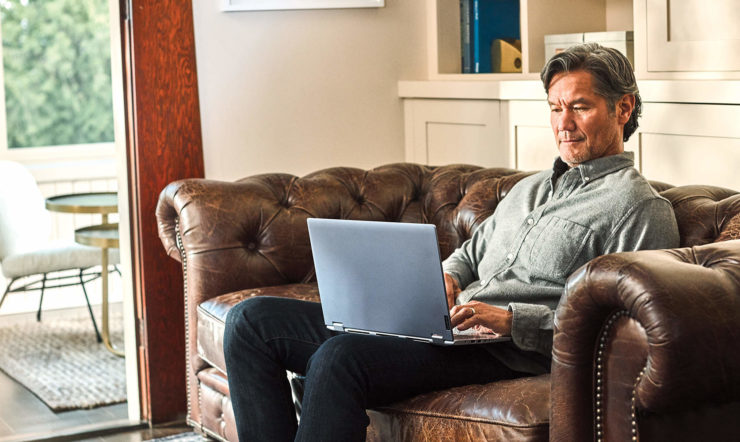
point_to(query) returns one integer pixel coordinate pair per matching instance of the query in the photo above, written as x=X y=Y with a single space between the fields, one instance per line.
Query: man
x=507 y=278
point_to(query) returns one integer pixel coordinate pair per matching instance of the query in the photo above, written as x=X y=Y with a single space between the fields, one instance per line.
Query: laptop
x=384 y=278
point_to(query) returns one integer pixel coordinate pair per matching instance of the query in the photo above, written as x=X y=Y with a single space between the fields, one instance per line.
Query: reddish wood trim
x=164 y=144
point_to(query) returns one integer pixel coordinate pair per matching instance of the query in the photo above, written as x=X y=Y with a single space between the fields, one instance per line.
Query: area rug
x=61 y=362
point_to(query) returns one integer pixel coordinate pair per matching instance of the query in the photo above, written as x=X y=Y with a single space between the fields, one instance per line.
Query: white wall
x=296 y=91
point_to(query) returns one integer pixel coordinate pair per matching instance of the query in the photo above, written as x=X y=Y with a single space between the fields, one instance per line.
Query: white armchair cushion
x=55 y=256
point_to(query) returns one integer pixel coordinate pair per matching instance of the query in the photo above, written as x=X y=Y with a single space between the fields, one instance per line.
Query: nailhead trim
x=600 y=374
x=184 y=261
x=633 y=410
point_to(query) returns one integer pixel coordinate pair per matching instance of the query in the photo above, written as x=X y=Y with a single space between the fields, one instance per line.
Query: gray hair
x=611 y=71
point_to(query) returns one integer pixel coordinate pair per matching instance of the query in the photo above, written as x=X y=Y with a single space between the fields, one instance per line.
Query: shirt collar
x=594 y=169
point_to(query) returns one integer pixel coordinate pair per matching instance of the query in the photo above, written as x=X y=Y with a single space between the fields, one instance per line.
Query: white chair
x=25 y=248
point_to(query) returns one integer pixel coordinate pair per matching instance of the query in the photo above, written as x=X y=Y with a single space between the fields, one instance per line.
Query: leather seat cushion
x=212 y=316
x=516 y=409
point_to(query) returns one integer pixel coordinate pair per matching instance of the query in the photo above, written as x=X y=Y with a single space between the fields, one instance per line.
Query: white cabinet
x=691 y=144
x=455 y=131
x=677 y=143
x=693 y=35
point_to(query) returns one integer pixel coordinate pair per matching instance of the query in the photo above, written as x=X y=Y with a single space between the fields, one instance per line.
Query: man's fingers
x=459 y=314
x=467 y=323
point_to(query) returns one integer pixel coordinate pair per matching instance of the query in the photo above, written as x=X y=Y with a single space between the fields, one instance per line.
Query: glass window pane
x=56 y=59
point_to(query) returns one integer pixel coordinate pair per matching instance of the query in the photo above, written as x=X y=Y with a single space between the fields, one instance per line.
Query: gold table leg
x=106 y=330
x=104 y=279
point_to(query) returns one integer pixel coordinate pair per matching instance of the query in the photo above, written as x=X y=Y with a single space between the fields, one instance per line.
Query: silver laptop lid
x=383 y=277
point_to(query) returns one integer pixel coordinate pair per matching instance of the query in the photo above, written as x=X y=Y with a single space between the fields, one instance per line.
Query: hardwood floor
x=143 y=435
x=21 y=412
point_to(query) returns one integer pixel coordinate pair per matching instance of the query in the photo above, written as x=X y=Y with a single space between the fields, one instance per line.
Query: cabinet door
x=530 y=137
x=442 y=132
x=693 y=35
x=686 y=159
x=691 y=144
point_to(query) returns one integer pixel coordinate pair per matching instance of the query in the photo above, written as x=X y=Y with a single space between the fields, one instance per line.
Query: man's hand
x=452 y=288
x=482 y=317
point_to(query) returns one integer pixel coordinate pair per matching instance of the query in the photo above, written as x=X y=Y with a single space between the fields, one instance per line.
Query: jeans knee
x=239 y=320
x=337 y=357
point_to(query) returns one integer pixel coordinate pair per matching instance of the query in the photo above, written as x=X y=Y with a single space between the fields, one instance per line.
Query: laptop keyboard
x=471 y=334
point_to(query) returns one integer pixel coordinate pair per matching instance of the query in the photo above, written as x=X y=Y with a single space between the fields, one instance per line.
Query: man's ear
x=624 y=108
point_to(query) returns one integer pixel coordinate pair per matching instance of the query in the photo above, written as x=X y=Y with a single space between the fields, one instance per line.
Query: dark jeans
x=345 y=373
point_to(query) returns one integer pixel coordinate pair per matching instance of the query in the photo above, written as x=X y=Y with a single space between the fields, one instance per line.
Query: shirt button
x=530 y=221
x=509 y=257
x=586 y=178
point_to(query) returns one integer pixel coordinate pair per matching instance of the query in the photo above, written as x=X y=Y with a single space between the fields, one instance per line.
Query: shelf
x=537 y=19
x=473 y=90
x=651 y=91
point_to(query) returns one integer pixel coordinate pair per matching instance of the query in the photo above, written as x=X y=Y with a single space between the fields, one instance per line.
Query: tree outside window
x=57 y=78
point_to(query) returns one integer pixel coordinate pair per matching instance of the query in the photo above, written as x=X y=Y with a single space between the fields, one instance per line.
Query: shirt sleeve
x=531 y=327
x=650 y=225
x=462 y=264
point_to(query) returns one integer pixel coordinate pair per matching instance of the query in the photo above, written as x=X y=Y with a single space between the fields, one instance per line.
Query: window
x=56 y=78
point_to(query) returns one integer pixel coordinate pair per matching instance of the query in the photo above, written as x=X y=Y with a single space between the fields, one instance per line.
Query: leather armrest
x=230 y=236
x=688 y=303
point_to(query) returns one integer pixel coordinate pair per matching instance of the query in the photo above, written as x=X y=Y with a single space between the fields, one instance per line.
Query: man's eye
x=555 y=109
x=579 y=109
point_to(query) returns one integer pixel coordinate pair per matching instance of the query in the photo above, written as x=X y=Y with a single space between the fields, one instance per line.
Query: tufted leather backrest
x=705 y=214
x=257 y=225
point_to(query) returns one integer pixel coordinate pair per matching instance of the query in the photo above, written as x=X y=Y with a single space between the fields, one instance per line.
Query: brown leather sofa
x=647 y=344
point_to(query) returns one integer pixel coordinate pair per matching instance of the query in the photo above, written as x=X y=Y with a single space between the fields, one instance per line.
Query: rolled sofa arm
x=664 y=323
x=231 y=236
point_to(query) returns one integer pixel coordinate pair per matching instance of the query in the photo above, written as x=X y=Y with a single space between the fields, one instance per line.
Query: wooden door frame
x=163 y=144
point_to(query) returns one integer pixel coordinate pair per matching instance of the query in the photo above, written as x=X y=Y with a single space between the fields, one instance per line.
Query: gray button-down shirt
x=546 y=227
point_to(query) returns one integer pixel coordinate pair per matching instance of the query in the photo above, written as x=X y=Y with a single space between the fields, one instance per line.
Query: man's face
x=584 y=126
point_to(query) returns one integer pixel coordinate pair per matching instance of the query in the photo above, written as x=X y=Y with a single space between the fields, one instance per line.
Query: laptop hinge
x=437 y=339
x=338 y=326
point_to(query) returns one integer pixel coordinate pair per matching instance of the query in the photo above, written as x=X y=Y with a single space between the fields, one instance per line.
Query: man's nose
x=565 y=121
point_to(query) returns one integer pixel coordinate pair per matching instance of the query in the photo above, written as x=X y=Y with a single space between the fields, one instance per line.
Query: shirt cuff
x=528 y=323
